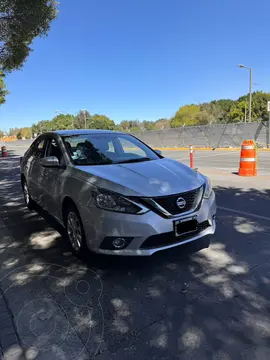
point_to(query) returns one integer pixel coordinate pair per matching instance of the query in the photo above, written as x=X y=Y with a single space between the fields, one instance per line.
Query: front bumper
x=99 y=224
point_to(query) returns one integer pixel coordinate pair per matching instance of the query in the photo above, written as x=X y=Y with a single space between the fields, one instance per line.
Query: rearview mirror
x=50 y=162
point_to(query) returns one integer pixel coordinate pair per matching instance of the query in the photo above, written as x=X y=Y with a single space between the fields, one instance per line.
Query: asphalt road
x=220 y=160
x=213 y=304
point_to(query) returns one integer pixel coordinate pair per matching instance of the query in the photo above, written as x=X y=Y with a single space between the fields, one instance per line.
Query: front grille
x=192 y=199
x=170 y=238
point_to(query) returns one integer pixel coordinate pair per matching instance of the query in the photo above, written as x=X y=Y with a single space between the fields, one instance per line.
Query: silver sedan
x=114 y=194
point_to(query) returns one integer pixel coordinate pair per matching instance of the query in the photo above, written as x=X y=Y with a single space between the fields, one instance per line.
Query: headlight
x=208 y=188
x=113 y=202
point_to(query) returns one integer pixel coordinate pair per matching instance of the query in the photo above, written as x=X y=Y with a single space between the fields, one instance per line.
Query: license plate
x=185 y=226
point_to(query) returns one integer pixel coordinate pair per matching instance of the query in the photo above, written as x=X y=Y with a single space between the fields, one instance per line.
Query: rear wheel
x=75 y=231
x=26 y=194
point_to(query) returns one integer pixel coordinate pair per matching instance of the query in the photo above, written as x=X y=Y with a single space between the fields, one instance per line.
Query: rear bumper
x=104 y=224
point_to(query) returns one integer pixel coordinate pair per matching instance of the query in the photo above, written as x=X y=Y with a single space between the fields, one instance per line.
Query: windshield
x=110 y=148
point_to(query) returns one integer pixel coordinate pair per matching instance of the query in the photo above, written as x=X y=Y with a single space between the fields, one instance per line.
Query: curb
x=10 y=347
x=202 y=149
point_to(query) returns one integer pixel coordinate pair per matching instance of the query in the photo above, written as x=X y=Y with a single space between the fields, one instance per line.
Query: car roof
x=83 y=132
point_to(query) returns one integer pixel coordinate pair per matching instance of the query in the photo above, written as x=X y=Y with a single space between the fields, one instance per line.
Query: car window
x=131 y=148
x=111 y=148
x=53 y=149
x=38 y=148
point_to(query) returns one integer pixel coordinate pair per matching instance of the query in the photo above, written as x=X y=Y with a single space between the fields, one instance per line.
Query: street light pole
x=250 y=89
x=250 y=93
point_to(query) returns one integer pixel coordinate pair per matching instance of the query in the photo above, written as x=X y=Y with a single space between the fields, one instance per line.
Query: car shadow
x=178 y=303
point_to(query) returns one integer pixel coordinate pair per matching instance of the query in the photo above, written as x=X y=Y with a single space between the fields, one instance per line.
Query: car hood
x=149 y=178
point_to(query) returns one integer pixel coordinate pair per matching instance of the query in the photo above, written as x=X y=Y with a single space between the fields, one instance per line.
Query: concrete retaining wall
x=224 y=135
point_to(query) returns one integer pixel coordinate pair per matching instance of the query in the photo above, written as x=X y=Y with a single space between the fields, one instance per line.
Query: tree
x=21 y=21
x=3 y=90
x=238 y=111
x=225 y=105
x=68 y=121
x=41 y=127
x=131 y=125
x=186 y=115
x=62 y=122
x=35 y=130
x=148 y=125
x=210 y=113
x=80 y=119
x=101 y=122
x=26 y=133
x=162 y=124
x=259 y=104
x=124 y=125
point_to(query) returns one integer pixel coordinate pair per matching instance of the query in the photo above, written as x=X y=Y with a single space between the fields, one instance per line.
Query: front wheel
x=75 y=231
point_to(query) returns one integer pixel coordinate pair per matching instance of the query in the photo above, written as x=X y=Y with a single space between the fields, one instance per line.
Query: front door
x=52 y=180
x=33 y=167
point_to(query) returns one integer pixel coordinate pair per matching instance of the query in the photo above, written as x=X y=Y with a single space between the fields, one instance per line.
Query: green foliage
x=162 y=124
x=13 y=131
x=82 y=118
x=101 y=122
x=21 y=133
x=68 y=121
x=217 y=111
x=224 y=110
x=148 y=125
x=259 y=105
x=185 y=116
x=62 y=121
x=128 y=125
x=3 y=90
x=210 y=113
x=26 y=133
x=21 y=21
x=225 y=105
x=238 y=111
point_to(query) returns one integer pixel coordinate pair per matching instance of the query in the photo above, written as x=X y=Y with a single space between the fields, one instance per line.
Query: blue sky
x=140 y=59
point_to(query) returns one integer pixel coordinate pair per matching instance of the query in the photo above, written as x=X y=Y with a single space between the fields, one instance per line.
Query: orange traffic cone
x=248 y=159
x=4 y=152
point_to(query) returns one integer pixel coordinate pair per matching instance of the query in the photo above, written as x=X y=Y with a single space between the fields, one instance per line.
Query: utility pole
x=84 y=113
x=268 y=125
x=250 y=89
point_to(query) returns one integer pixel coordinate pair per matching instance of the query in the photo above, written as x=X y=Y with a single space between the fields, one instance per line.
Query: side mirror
x=50 y=162
x=159 y=152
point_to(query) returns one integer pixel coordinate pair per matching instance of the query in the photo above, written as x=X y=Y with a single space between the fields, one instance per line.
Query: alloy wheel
x=26 y=193
x=74 y=231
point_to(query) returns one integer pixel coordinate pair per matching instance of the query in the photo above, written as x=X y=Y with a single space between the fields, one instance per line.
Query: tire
x=26 y=194
x=75 y=231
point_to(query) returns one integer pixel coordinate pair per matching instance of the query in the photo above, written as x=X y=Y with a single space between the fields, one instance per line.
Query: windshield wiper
x=134 y=160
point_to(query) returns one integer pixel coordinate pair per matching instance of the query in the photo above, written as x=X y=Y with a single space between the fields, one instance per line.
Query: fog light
x=119 y=243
